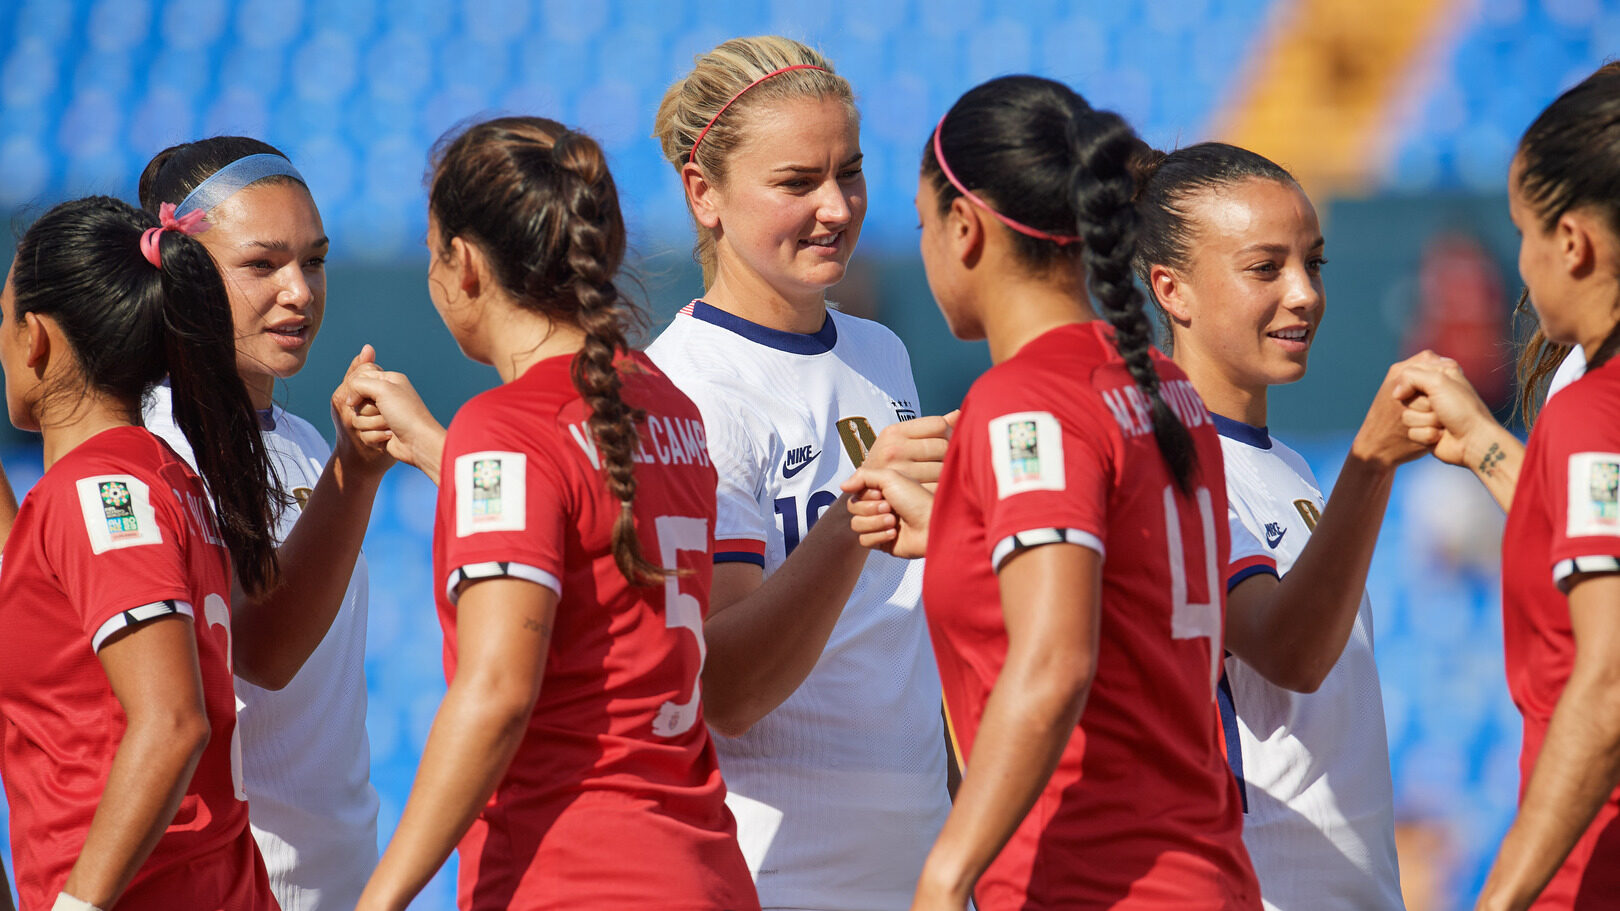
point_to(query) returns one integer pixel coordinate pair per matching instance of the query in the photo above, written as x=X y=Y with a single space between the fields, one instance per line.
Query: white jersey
x=1570 y=369
x=839 y=792
x=1319 y=818
x=306 y=762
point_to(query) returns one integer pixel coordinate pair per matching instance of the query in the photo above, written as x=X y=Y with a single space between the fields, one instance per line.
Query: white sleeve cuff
x=474 y=572
x=138 y=615
x=1035 y=537
x=66 y=902
x=1563 y=569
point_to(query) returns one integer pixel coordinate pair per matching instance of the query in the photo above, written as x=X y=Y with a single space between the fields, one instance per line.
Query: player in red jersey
x=1561 y=546
x=115 y=669
x=573 y=553
x=1081 y=691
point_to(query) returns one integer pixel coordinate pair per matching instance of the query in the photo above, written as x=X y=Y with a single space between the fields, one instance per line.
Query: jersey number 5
x=675 y=534
x=1187 y=620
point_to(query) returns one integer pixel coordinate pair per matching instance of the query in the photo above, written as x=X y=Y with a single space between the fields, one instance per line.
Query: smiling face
x=271 y=250
x=1246 y=309
x=790 y=209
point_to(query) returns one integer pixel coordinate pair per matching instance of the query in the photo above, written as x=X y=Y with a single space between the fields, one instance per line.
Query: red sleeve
x=117 y=543
x=1045 y=473
x=1582 y=468
x=511 y=504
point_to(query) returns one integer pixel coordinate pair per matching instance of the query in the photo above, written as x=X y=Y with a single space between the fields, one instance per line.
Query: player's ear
x=701 y=195
x=1170 y=291
x=965 y=231
x=469 y=264
x=1577 y=245
x=38 y=329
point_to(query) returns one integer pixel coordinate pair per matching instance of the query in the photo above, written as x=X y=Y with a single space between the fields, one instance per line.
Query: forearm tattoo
x=1493 y=458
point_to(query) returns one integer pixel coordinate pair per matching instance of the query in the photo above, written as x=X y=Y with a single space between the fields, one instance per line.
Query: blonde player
x=820 y=682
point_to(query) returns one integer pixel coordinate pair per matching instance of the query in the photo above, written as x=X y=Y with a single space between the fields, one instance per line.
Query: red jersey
x=1565 y=520
x=614 y=799
x=117 y=532
x=1056 y=444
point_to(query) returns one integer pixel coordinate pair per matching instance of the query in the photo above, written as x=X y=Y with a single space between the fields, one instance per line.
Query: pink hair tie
x=1061 y=240
x=692 y=155
x=192 y=222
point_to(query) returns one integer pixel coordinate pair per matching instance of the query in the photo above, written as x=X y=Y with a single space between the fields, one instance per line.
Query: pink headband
x=190 y=223
x=692 y=155
x=939 y=156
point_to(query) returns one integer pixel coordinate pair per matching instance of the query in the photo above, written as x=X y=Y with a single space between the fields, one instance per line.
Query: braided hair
x=1041 y=155
x=538 y=200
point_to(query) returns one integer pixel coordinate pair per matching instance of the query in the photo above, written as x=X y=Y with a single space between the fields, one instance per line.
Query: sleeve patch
x=1035 y=537
x=1026 y=450
x=497 y=569
x=118 y=512
x=491 y=492
x=1594 y=494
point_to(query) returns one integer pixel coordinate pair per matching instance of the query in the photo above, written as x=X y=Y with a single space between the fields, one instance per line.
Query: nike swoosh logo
x=789 y=471
x=1273 y=542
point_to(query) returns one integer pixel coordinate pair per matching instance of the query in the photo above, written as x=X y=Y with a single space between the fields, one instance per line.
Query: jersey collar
x=820 y=341
x=1247 y=434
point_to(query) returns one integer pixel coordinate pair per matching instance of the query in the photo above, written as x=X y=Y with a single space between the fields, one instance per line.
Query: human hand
x=358 y=448
x=914 y=448
x=1384 y=439
x=389 y=409
x=1443 y=412
x=889 y=511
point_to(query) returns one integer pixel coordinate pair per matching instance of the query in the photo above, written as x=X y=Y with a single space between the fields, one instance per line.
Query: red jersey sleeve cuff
x=136 y=615
x=1035 y=537
x=1598 y=563
x=1249 y=566
x=740 y=550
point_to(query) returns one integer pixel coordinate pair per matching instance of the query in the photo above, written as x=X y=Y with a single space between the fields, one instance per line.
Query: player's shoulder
x=1586 y=402
x=1054 y=371
x=866 y=333
x=516 y=416
x=293 y=428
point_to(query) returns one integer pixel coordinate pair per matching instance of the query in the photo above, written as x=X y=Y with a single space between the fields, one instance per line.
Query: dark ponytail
x=538 y=200
x=131 y=323
x=1037 y=152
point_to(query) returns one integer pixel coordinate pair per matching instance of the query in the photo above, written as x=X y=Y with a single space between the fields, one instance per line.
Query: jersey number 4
x=1189 y=620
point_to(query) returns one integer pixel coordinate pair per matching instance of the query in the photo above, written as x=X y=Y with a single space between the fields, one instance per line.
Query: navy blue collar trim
x=819 y=342
x=1247 y=434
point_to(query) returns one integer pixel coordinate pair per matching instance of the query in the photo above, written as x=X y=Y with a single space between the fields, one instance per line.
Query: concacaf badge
x=117 y=512
x=1026 y=451
x=1594 y=494
x=490 y=492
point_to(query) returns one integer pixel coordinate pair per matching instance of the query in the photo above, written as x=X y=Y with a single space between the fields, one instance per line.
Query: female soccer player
x=305 y=759
x=115 y=669
x=820 y=681
x=1080 y=441
x=1232 y=252
x=572 y=550
x=1561 y=546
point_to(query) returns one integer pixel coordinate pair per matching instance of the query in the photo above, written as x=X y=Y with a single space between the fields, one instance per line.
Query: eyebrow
x=1277 y=248
x=279 y=246
x=857 y=158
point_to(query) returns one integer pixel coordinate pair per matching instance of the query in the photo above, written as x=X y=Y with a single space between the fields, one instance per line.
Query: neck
x=65 y=430
x=261 y=390
x=742 y=292
x=1220 y=394
x=1019 y=310
x=523 y=338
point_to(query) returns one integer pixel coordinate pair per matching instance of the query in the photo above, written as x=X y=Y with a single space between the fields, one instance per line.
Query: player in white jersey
x=820 y=680
x=304 y=754
x=1232 y=250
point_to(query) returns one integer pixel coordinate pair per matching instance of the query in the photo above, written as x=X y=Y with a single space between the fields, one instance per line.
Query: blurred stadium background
x=1400 y=117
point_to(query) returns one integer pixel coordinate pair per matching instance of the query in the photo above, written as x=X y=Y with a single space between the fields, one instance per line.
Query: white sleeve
x=1249 y=557
x=739 y=443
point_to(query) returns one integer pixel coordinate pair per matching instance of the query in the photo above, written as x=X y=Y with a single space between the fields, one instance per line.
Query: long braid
x=1103 y=189
x=592 y=259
